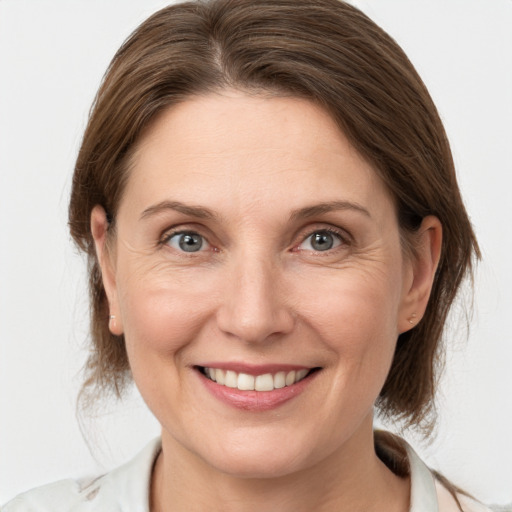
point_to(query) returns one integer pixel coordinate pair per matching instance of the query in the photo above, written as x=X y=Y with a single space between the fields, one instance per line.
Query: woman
x=275 y=235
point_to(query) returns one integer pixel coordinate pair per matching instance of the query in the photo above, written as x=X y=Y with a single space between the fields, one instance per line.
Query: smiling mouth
x=263 y=382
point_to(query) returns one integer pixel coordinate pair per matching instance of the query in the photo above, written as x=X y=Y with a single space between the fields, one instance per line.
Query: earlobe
x=99 y=230
x=424 y=264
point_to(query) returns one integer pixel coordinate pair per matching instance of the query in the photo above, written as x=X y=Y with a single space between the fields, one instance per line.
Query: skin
x=259 y=292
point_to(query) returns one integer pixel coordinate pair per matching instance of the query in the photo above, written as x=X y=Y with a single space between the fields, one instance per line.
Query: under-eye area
x=263 y=382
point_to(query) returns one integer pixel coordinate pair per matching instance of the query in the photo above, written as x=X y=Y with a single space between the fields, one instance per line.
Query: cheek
x=163 y=313
x=355 y=317
x=353 y=307
x=163 y=310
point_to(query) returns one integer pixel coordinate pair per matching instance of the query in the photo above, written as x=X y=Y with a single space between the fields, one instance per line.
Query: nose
x=255 y=307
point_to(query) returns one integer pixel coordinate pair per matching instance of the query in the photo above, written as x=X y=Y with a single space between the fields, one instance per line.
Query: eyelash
x=340 y=235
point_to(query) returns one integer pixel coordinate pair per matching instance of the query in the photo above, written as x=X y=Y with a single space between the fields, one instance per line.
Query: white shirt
x=126 y=489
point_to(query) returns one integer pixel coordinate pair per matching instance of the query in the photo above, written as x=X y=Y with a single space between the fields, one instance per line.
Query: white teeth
x=264 y=382
x=290 y=378
x=220 y=376
x=279 y=380
x=246 y=382
x=231 y=380
x=301 y=374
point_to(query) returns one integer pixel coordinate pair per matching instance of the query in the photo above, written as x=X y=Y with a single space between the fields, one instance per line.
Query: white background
x=52 y=56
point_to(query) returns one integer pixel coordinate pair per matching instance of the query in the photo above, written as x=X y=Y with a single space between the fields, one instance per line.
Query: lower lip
x=256 y=400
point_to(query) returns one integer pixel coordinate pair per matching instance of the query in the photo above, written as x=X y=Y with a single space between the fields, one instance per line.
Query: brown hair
x=328 y=52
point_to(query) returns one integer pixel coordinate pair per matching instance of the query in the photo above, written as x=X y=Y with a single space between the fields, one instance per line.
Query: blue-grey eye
x=187 y=242
x=321 y=241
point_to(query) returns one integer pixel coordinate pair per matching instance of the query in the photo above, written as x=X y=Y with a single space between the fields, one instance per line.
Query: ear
x=99 y=230
x=422 y=265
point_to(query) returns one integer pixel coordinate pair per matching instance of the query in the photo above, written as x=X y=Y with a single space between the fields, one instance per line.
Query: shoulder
x=123 y=489
x=63 y=495
x=427 y=491
x=447 y=502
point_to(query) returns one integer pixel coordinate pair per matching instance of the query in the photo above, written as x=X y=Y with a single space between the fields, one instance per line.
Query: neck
x=351 y=479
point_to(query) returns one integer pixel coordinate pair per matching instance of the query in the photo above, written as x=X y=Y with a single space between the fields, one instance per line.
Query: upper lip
x=254 y=369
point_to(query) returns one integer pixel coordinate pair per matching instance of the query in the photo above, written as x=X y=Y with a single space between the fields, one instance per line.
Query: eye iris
x=322 y=241
x=190 y=242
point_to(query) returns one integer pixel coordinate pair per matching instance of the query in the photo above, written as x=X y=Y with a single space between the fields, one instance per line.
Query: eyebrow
x=204 y=213
x=194 y=211
x=319 y=209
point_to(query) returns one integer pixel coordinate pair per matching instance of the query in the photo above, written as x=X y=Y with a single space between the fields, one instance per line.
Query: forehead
x=230 y=148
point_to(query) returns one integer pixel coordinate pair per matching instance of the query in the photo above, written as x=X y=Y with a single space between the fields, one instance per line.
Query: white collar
x=423 y=488
x=126 y=487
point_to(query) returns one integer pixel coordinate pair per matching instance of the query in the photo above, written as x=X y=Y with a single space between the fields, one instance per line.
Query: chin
x=258 y=467
x=261 y=459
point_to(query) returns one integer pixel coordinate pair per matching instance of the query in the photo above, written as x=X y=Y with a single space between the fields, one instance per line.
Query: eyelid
x=180 y=227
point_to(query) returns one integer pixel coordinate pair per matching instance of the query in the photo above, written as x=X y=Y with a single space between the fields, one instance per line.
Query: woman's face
x=255 y=245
